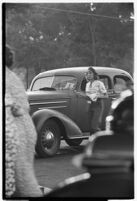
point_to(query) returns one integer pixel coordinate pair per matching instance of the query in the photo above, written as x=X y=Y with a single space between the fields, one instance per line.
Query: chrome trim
x=55 y=102
x=40 y=108
x=75 y=179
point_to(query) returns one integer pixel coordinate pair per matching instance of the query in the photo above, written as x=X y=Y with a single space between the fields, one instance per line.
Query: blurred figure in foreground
x=108 y=158
x=20 y=137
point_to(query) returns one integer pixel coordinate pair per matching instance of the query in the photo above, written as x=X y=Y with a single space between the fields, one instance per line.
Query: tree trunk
x=92 y=31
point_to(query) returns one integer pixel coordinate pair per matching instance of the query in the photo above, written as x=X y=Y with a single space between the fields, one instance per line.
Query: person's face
x=90 y=75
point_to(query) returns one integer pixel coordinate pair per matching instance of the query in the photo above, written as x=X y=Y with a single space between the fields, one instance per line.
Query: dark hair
x=9 y=56
x=94 y=72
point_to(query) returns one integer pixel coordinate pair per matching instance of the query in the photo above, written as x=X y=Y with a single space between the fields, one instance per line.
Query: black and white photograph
x=68 y=100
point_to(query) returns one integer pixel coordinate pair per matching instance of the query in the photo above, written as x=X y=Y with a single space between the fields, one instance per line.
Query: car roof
x=83 y=69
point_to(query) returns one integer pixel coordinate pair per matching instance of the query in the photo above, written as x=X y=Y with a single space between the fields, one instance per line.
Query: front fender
x=41 y=116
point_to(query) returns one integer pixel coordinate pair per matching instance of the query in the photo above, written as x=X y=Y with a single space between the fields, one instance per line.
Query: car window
x=56 y=82
x=42 y=82
x=64 y=82
x=106 y=80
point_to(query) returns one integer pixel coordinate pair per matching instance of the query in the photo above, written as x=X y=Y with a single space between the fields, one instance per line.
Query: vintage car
x=108 y=158
x=60 y=107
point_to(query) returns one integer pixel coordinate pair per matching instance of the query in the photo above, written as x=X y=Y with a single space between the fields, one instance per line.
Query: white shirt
x=95 y=89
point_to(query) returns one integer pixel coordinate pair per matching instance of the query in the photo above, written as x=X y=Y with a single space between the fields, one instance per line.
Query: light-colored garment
x=11 y=144
x=20 y=141
x=95 y=89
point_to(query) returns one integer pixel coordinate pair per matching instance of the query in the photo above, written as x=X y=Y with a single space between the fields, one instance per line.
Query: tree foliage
x=55 y=35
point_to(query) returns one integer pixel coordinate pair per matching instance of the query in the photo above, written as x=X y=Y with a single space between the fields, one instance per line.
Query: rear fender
x=71 y=129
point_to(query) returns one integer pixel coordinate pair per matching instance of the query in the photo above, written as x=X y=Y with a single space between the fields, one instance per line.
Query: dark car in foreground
x=60 y=107
x=108 y=158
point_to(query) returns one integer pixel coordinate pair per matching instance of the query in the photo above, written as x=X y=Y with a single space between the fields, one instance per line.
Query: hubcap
x=48 y=139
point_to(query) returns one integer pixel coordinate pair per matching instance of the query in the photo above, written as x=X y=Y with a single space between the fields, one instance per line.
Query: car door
x=82 y=109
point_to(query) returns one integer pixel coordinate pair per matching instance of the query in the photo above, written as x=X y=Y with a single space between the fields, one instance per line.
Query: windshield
x=56 y=82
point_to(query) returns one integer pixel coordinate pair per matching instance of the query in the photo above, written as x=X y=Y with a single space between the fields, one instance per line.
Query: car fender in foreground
x=71 y=129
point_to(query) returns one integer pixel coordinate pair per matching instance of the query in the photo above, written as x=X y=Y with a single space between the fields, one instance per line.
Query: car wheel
x=73 y=142
x=48 y=141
